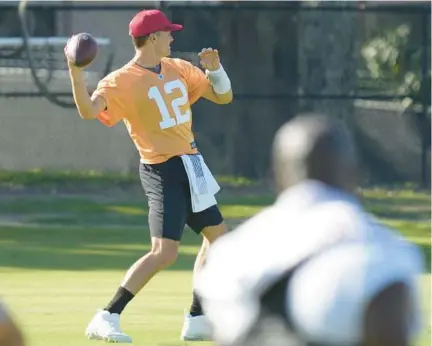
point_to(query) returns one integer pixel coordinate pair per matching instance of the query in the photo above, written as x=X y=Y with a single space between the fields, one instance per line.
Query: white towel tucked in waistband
x=203 y=186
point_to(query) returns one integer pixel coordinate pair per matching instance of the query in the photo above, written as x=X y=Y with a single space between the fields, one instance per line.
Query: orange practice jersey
x=156 y=108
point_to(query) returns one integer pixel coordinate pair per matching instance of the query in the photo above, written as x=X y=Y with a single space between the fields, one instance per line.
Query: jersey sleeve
x=356 y=272
x=196 y=80
x=113 y=113
x=230 y=307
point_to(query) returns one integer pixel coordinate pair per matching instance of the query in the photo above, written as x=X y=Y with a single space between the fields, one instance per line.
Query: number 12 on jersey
x=180 y=117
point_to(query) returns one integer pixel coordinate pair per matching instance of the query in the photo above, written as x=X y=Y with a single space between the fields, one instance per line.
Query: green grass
x=62 y=256
x=55 y=278
x=70 y=180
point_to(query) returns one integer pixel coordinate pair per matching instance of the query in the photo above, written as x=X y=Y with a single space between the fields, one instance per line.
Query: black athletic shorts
x=167 y=188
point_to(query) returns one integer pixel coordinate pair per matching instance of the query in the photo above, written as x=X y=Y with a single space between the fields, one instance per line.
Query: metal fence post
x=426 y=140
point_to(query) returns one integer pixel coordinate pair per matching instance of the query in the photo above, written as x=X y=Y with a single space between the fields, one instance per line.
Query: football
x=81 y=49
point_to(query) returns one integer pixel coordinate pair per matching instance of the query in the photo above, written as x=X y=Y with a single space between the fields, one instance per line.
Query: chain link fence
x=365 y=62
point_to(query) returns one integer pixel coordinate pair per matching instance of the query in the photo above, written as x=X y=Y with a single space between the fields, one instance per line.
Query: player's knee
x=166 y=258
x=211 y=233
x=165 y=252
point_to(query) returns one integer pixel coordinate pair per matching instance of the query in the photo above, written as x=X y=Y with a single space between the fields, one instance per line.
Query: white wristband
x=219 y=80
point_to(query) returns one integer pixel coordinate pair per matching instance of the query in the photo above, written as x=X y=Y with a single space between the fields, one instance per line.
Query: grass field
x=65 y=247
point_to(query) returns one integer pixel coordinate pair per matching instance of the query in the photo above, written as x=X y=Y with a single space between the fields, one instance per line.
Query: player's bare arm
x=219 y=90
x=10 y=332
x=387 y=319
x=88 y=107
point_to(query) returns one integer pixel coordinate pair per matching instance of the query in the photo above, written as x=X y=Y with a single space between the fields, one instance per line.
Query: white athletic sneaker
x=106 y=326
x=196 y=328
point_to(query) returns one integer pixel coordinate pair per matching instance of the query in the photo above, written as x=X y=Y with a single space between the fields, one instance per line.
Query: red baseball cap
x=147 y=22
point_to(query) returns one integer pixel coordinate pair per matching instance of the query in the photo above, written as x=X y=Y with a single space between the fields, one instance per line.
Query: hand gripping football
x=81 y=49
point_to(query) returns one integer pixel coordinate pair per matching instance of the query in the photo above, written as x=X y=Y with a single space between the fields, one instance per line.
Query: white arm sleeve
x=230 y=309
x=328 y=295
x=219 y=80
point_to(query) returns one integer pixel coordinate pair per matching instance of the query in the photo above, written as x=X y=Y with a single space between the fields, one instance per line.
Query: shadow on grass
x=79 y=248
x=129 y=210
x=85 y=211
x=95 y=243
x=426 y=250
x=83 y=248
x=409 y=207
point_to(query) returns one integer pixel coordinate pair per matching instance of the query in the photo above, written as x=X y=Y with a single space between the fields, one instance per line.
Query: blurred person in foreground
x=152 y=95
x=10 y=332
x=314 y=268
